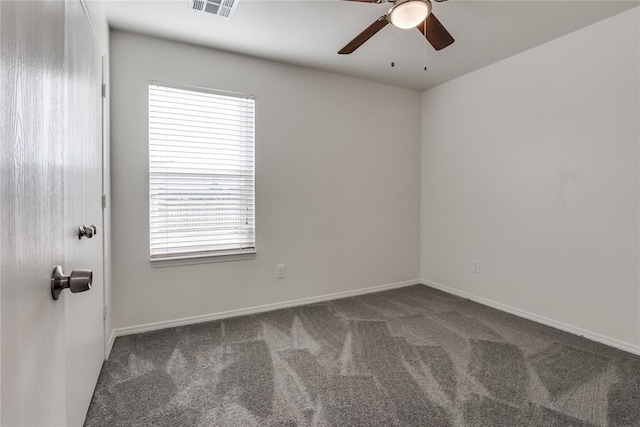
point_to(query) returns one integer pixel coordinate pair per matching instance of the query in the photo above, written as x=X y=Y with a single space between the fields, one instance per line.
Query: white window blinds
x=201 y=172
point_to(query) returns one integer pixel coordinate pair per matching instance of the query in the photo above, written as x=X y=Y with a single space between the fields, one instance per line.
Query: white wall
x=531 y=166
x=337 y=184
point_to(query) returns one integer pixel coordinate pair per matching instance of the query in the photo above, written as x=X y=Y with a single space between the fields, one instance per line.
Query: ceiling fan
x=404 y=14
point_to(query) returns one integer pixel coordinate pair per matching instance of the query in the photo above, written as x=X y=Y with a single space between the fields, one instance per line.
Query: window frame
x=202 y=256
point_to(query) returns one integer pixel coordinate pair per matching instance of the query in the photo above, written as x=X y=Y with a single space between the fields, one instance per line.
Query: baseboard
x=112 y=339
x=631 y=348
x=118 y=332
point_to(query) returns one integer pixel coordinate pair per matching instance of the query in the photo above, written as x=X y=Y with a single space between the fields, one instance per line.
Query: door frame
x=104 y=152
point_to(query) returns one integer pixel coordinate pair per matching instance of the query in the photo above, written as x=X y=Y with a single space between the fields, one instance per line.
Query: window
x=201 y=172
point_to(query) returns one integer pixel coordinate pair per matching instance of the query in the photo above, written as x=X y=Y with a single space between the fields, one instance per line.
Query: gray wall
x=530 y=166
x=337 y=184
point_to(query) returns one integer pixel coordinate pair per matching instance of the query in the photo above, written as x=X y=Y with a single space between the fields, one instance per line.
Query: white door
x=50 y=183
x=31 y=206
x=83 y=206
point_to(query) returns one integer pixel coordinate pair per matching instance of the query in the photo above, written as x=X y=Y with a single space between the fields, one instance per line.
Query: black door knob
x=87 y=231
x=77 y=281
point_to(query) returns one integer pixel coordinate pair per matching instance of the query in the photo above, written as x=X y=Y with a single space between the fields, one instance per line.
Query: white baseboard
x=631 y=348
x=112 y=339
x=118 y=332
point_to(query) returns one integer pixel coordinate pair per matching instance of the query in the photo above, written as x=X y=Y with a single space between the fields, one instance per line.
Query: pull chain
x=424 y=27
x=393 y=39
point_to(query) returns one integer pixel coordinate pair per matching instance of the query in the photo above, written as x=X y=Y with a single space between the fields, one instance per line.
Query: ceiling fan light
x=410 y=13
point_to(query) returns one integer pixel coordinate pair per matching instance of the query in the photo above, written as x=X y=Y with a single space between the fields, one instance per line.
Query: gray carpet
x=413 y=356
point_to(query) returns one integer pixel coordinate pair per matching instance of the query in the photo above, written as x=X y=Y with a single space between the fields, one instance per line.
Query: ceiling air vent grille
x=224 y=8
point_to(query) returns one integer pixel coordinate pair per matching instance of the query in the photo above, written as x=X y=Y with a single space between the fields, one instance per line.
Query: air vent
x=224 y=8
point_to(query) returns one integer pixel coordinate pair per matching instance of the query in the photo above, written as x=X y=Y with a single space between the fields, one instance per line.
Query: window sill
x=202 y=259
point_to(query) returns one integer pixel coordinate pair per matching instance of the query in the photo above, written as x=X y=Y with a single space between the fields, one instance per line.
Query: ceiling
x=309 y=33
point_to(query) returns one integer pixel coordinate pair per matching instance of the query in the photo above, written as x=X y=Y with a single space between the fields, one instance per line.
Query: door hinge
x=104 y=311
x=104 y=90
x=104 y=201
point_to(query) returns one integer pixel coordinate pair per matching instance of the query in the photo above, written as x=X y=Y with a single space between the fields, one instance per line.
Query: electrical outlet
x=475 y=266
x=281 y=271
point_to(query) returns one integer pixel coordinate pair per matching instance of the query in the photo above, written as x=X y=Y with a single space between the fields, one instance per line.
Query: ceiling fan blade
x=364 y=36
x=437 y=35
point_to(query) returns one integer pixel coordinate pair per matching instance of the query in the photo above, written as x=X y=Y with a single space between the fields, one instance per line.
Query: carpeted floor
x=413 y=356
